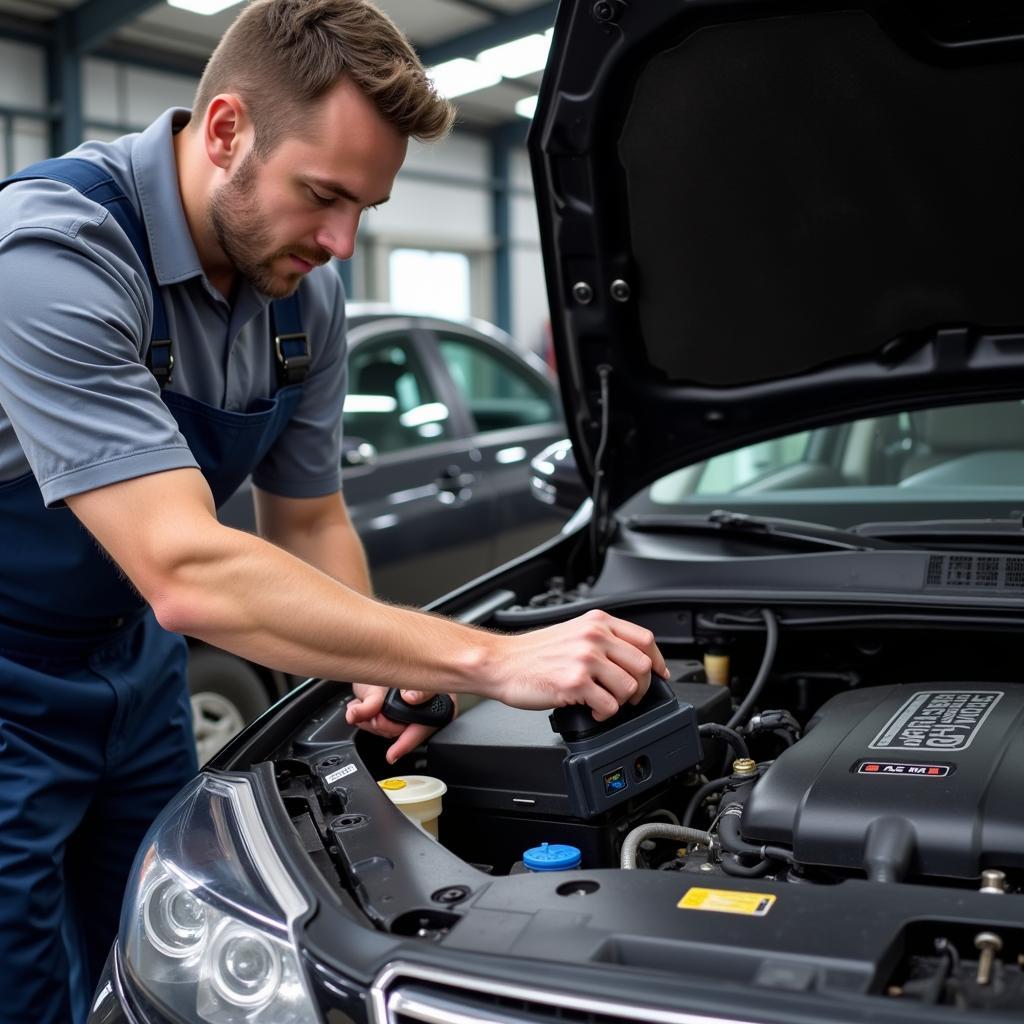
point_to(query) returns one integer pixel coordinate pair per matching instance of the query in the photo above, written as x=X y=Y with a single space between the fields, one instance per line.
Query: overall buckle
x=292 y=351
x=160 y=360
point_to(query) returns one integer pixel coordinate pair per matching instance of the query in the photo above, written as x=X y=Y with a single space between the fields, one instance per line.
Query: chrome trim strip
x=434 y=1011
x=380 y=1001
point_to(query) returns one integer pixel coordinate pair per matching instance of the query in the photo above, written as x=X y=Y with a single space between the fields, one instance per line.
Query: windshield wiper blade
x=723 y=521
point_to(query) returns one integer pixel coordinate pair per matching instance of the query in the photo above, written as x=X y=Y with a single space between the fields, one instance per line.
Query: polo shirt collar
x=156 y=182
x=170 y=243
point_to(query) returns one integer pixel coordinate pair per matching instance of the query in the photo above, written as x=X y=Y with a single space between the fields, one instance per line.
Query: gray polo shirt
x=78 y=408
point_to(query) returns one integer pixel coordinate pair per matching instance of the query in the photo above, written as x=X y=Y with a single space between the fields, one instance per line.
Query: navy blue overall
x=95 y=720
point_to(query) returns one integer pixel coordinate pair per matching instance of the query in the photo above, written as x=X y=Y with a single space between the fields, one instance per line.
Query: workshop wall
x=444 y=202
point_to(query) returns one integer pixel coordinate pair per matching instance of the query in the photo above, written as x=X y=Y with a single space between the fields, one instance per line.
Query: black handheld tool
x=576 y=722
x=437 y=711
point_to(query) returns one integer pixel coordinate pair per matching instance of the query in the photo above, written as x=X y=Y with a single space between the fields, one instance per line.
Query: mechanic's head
x=304 y=112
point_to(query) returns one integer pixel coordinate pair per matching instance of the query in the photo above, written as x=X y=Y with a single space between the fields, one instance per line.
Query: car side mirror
x=554 y=478
x=357 y=452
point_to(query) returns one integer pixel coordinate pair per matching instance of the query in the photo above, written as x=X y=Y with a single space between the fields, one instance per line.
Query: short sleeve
x=76 y=318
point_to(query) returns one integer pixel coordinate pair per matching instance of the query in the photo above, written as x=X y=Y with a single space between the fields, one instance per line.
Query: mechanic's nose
x=338 y=235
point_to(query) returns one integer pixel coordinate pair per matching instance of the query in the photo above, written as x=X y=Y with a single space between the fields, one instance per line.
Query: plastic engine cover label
x=727 y=901
x=937 y=720
x=917 y=771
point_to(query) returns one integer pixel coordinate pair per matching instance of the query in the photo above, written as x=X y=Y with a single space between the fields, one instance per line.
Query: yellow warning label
x=393 y=784
x=727 y=901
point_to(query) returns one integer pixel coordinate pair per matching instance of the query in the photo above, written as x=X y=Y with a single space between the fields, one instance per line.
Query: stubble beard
x=242 y=231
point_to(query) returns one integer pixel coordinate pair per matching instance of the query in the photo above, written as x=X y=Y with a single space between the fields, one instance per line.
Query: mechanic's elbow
x=173 y=610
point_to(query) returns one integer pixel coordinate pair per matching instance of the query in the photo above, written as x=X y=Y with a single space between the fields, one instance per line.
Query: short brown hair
x=281 y=55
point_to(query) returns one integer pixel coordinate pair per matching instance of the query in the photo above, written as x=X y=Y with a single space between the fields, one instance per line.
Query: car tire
x=227 y=693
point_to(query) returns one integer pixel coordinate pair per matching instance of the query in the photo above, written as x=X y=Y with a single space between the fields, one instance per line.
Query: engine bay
x=801 y=765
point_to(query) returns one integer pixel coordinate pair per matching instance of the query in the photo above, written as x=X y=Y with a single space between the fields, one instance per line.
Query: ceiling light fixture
x=459 y=76
x=526 y=107
x=203 y=6
x=518 y=58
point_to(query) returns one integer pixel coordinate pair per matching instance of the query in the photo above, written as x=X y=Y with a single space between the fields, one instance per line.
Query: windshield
x=953 y=462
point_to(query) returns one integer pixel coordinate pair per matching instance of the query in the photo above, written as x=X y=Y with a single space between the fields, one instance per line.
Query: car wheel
x=227 y=693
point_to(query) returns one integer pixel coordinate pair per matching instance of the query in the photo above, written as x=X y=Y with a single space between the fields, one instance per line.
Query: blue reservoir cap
x=552 y=857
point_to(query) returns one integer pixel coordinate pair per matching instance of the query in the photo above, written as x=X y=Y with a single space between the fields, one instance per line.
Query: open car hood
x=764 y=216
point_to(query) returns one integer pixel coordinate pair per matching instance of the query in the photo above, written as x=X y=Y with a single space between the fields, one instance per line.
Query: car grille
x=409 y=994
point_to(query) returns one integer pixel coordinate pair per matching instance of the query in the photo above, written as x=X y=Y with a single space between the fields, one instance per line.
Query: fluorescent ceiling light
x=459 y=76
x=526 y=107
x=203 y=6
x=520 y=57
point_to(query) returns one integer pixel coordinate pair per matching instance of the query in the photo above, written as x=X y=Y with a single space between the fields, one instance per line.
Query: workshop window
x=433 y=283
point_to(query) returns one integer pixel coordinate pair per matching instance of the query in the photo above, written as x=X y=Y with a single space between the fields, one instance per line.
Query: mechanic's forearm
x=317 y=530
x=256 y=600
x=335 y=549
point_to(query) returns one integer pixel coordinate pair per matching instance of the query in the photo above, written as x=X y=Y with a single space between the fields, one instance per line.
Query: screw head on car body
x=620 y=290
x=607 y=10
x=452 y=894
x=582 y=293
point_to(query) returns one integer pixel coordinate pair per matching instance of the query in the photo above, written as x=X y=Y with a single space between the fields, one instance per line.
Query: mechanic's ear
x=225 y=125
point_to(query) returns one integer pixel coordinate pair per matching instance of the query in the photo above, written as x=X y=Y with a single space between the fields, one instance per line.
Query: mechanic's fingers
x=410 y=739
x=367 y=702
x=643 y=640
x=602 y=704
x=415 y=696
x=643 y=685
x=619 y=683
x=634 y=662
x=384 y=726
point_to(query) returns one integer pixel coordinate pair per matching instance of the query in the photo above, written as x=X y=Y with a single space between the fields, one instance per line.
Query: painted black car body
x=761 y=220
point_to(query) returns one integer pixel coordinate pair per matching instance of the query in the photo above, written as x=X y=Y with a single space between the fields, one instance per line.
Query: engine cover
x=938 y=765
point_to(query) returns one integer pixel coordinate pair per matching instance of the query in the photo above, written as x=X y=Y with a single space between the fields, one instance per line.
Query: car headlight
x=207 y=925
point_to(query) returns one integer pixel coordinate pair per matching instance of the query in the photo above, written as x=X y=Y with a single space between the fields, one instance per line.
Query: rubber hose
x=701 y=795
x=657 y=830
x=731 y=736
x=732 y=866
x=731 y=840
x=771 y=625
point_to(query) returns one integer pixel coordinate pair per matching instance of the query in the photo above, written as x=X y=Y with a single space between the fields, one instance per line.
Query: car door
x=514 y=413
x=416 y=501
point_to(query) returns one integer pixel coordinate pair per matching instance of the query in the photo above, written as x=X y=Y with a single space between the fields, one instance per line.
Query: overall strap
x=291 y=346
x=96 y=184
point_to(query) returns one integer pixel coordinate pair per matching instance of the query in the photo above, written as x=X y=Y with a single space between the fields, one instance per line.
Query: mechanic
x=169 y=327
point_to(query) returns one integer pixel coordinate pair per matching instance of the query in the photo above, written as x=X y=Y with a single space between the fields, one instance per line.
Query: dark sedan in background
x=441 y=421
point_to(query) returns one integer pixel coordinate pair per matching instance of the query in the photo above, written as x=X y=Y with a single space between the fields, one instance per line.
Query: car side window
x=500 y=394
x=390 y=402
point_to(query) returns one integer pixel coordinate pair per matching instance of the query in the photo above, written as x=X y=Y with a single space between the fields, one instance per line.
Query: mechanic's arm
x=238 y=592
x=317 y=530
x=320 y=532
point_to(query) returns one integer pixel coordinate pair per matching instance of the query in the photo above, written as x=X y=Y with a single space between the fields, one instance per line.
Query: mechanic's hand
x=365 y=711
x=595 y=659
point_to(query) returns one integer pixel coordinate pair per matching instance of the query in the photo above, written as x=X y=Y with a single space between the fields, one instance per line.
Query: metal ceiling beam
x=95 y=21
x=480 y=5
x=504 y=30
x=504 y=141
